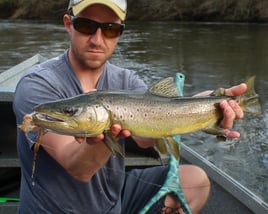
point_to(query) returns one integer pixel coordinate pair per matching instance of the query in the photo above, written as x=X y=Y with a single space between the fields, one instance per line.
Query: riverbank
x=182 y=10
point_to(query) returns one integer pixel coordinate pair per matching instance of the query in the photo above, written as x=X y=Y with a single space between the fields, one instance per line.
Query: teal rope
x=172 y=182
x=170 y=186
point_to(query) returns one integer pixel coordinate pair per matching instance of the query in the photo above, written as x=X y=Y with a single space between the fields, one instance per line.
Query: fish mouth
x=47 y=118
x=57 y=124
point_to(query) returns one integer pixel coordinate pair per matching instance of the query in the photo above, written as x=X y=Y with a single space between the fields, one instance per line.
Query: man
x=74 y=175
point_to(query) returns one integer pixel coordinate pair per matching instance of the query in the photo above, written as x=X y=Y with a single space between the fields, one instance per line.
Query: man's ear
x=67 y=22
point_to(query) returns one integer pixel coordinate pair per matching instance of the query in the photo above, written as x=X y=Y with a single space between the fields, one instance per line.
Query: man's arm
x=81 y=158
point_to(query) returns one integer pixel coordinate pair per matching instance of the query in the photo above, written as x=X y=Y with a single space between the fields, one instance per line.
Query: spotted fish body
x=154 y=114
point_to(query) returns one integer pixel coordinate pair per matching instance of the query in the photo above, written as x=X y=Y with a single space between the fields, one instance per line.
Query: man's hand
x=116 y=131
x=231 y=110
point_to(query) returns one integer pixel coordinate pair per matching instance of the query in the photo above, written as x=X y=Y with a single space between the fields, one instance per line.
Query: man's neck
x=88 y=77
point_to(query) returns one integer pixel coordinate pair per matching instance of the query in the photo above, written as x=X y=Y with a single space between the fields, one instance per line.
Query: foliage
x=7 y=7
x=36 y=9
x=188 y=10
x=200 y=10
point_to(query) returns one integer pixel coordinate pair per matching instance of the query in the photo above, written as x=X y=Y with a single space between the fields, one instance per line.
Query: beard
x=88 y=62
x=90 y=58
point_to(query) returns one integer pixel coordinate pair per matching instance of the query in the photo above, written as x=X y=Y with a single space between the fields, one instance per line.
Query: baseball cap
x=118 y=6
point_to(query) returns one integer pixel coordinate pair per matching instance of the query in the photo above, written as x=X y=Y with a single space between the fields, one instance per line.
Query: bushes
x=199 y=10
x=36 y=9
x=187 y=10
x=233 y=10
x=7 y=7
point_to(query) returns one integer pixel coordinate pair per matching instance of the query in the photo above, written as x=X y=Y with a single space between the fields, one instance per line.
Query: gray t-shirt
x=52 y=189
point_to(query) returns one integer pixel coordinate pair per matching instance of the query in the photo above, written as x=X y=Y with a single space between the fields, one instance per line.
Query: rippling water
x=210 y=55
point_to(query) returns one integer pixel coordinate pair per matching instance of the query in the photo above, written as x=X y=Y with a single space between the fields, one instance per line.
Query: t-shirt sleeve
x=136 y=84
x=32 y=89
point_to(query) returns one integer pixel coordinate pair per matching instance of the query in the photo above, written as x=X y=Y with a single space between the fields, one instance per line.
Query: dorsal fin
x=165 y=88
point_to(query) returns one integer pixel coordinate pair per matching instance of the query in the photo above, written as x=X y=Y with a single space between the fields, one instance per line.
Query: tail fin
x=250 y=100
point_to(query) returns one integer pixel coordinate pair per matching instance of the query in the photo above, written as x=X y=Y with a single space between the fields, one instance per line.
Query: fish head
x=77 y=116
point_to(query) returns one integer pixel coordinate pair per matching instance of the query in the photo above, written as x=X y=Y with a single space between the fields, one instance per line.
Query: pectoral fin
x=112 y=144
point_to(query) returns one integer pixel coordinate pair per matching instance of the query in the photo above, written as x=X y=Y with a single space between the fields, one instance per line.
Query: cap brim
x=84 y=4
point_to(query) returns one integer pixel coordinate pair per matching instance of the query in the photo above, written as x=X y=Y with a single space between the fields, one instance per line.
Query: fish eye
x=70 y=111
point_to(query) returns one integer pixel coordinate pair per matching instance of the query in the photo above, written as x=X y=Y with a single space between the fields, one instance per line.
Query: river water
x=211 y=55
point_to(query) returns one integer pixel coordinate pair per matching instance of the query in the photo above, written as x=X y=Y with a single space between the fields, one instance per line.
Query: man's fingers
x=125 y=133
x=236 y=90
x=117 y=131
x=228 y=115
x=90 y=140
x=231 y=134
x=237 y=109
x=80 y=139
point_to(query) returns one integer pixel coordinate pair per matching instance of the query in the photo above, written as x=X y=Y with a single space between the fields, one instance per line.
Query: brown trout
x=150 y=114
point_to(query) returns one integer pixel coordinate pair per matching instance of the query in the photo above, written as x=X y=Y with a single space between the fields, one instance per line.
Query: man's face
x=92 y=51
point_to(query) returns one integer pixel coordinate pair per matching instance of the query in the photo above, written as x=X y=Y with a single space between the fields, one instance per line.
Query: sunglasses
x=89 y=27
